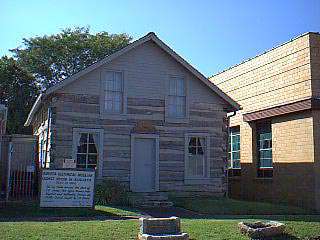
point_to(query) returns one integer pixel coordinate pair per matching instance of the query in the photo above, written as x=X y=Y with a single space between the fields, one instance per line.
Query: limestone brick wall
x=292 y=138
x=286 y=74
x=276 y=77
x=315 y=63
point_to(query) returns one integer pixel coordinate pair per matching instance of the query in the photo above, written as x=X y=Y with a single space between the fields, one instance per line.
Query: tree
x=44 y=61
x=18 y=90
x=53 y=58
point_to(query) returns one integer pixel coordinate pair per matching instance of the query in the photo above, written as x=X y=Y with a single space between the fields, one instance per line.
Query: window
x=264 y=145
x=44 y=150
x=87 y=153
x=113 y=101
x=196 y=161
x=234 y=167
x=234 y=148
x=177 y=98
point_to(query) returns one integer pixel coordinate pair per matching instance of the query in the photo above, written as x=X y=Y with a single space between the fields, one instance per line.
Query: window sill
x=197 y=181
x=176 y=120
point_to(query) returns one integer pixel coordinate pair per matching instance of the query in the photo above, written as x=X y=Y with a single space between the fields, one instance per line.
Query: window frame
x=99 y=131
x=168 y=117
x=263 y=172
x=206 y=165
x=103 y=112
x=230 y=151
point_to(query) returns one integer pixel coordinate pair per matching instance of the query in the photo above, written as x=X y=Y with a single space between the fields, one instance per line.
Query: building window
x=197 y=155
x=234 y=148
x=264 y=145
x=87 y=149
x=44 y=150
x=113 y=100
x=234 y=152
x=177 y=98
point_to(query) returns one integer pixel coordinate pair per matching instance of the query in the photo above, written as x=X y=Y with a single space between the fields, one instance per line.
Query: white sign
x=67 y=188
x=69 y=163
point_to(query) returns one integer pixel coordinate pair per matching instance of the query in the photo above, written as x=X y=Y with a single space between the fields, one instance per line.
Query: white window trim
x=265 y=149
x=132 y=173
x=113 y=115
x=231 y=151
x=169 y=118
x=203 y=179
x=75 y=132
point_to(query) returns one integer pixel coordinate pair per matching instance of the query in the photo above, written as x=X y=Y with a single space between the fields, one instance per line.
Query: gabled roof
x=149 y=37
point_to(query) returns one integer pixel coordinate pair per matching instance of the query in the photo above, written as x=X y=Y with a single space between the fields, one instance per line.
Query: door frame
x=132 y=173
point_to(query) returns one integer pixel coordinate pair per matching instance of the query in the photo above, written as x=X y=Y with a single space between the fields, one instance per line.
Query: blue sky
x=211 y=35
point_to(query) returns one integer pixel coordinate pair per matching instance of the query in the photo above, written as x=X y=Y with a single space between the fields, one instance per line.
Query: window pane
x=235 y=155
x=118 y=82
x=91 y=138
x=192 y=150
x=92 y=159
x=192 y=164
x=265 y=162
x=83 y=138
x=92 y=148
x=171 y=110
x=173 y=87
x=180 y=87
x=81 y=159
x=236 y=164
x=109 y=76
x=81 y=166
x=193 y=141
x=265 y=153
x=199 y=160
x=82 y=148
x=109 y=106
x=110 y=85
x=91 y=166
x=172 y=100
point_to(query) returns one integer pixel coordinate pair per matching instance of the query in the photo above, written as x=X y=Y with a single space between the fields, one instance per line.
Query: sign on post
x=67 y=188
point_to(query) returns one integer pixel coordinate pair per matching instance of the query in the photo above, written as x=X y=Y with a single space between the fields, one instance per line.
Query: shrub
x=111 y=192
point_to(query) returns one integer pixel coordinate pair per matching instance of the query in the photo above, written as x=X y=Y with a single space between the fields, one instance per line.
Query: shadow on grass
x=32 y=212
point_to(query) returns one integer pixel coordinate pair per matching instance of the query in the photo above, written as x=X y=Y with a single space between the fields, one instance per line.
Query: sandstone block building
x=274 y=152
x=142 y=116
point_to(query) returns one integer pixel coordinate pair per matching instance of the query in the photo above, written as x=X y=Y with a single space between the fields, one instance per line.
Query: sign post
x=67 y=188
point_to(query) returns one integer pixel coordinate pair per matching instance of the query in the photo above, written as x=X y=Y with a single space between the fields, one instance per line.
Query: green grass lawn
x=201 y=229
x=211 y=226
x=236 y=207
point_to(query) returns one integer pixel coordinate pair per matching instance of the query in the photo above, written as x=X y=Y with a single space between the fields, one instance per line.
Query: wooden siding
x=146 y=71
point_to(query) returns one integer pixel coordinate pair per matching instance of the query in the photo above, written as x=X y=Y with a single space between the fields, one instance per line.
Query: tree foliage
x=43 y=61
x=18 y=90
x=53 y=58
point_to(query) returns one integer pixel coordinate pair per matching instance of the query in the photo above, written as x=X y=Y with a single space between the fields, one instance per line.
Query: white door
x=144 y=165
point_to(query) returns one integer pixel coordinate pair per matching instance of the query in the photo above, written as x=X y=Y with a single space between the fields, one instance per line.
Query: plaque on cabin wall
x=144 y=127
